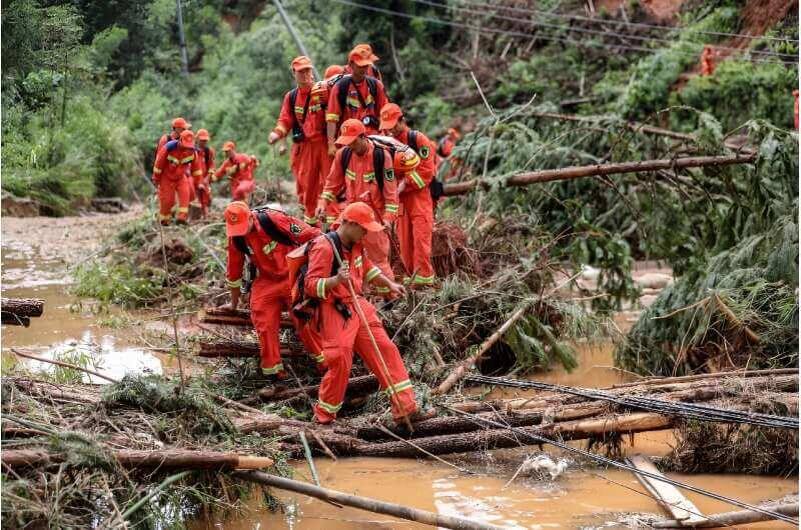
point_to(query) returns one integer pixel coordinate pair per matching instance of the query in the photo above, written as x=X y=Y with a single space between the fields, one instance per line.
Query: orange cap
x=229 y=146
x=453 y=132
x=390 y=114
x=362 y=55
x=188 y=139
x=333 y=70
x=180 y=123
x=350 y=130
x=361 y=214
x=301 y=63
x=203 y=134
x=236 y=219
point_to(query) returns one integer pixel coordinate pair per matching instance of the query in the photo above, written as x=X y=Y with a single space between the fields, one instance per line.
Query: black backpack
x=303 y=307
x=378 y=161
x=297 y=131
x=269 y=228
x=435 y=188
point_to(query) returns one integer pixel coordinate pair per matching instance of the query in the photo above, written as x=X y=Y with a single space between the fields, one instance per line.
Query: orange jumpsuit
x=341 y=336
x=353 y=105
x=444 y=151
x=201 y=183
x=707 y=61
x=416 y=213
x=359 y=184
x=164 y=139
x=309 y=157
x=270 y=290
x=171 y=176
x=240 y=171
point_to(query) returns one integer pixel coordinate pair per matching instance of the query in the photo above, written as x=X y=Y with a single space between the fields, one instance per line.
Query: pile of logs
x=240 y=317
x=19 y=311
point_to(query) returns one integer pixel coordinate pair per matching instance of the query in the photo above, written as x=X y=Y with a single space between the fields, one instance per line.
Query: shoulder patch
x=295 y=228
x=389 y=174
x=425 y=151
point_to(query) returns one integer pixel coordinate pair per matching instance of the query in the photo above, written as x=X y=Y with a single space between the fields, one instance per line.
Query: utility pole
x=292 y=32
x=182 y=40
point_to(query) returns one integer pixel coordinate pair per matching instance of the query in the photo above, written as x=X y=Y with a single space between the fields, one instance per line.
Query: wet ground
x=37 y=254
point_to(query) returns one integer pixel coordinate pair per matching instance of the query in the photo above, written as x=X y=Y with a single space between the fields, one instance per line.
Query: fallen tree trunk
x=364 y=503
x=240 y=317
x=734 y=518
x=24 y=307
x=170 y=459
x=11 y=319
x=236 y=349
x=573 y=172
x=357 y=386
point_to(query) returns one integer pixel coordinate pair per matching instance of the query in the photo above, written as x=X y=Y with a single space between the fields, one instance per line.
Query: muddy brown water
x=36 y=254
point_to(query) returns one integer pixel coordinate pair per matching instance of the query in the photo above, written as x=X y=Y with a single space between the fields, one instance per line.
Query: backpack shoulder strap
x=241 y=245
x=412 y=140
x=372 y=87
x=271 y=229
x=345 y=159
x=343 y=85
x=333 y=239
x=378 y=165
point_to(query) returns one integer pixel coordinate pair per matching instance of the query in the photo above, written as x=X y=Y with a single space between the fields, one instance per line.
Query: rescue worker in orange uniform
x=707 y=61
x=179 y=125
x=372 y=70
x=445 y=149
x=239 y=168
x=302 y=115
x=342 y=331
x=355 y=95
x=354 y=171
x=795 y=109
x=171 y=175
x=416 y=213
x=265 y=237
x=202 y=182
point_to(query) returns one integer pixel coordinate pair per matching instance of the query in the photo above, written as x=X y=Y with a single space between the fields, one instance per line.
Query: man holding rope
x=338 y=267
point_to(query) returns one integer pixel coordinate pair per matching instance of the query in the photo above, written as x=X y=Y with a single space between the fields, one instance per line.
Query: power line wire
x=626 y=23
x=526 y=35
x=592 y=31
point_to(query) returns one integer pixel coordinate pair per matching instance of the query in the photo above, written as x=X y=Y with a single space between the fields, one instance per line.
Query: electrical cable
x=595 y=31
x=673 y=408
x=608 y=461
x=623 y=22
x=526 y=35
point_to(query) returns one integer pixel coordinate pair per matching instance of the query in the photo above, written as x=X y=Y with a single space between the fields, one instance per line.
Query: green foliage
x=119 y=283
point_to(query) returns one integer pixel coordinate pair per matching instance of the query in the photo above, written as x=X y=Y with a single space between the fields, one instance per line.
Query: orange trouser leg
x=310 y=165
x=267 y=300
x=377 y=246
x=296 y=166
x=414 y=231
x=402 y=399
x=338 y=336
x=184 y=191
x=309 y=335
x=242 y=189
x=167 y=189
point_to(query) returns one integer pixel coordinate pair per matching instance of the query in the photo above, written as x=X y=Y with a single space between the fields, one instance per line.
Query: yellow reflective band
x=418 y=180
x=321 y=288
x=423 y=280
x=372 y=274
x=319 y=358
x=183 y=209
x=354 y=102
x=187 y=159
x=382 y=290
x=315 y=108
x=328 y=196
x=369 y=99
x=331 y=409
x=269 y=247
x=391 y=208
x=233 y=284
x=358 y=261
x=310 y=220
x=196 y=204
x=398 y=387
x=197 y=172
x=164 y=217
x=330 y=116
x=350 y=174
x=299 y=110
x=330 y=218
x=274 y=370
x=156 y=170
x=172 y=159
x=412 y=161
x=368 y=177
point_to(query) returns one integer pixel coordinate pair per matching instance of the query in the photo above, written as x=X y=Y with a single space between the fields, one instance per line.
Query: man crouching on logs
x=263 y=238
x=338 y=267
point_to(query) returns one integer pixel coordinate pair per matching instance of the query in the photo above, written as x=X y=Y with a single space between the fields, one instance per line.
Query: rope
x=673 y=408
x=608 y=461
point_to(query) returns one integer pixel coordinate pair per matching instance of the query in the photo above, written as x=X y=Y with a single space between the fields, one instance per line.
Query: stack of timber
x=240 y=317
x=19 y=311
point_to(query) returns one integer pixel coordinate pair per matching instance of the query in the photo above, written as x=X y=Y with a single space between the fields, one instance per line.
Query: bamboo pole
x=462 y=368
x=63 y=364
x=574 y=172
x=365 y=503
x=734 y=518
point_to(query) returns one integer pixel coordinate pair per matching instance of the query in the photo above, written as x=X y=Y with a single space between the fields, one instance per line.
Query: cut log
x=237 y=349
x=364 y=503
x=24 y=307
x=241 y=318
x=667 y=495
x=170 y=459
x=10 y=319
x=357 y=386
x=734 y=518
x=573 y=172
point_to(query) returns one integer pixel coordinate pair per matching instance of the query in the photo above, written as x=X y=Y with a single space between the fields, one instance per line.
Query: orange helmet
x=236 y=218
x=390 y=114
x=361 y=214
x=362 y=55
x=180 y=123
x=301 y=63
x=203 y=134
x=333 y=70
x=187 y=139
x=229 y=146
x=350 y=130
